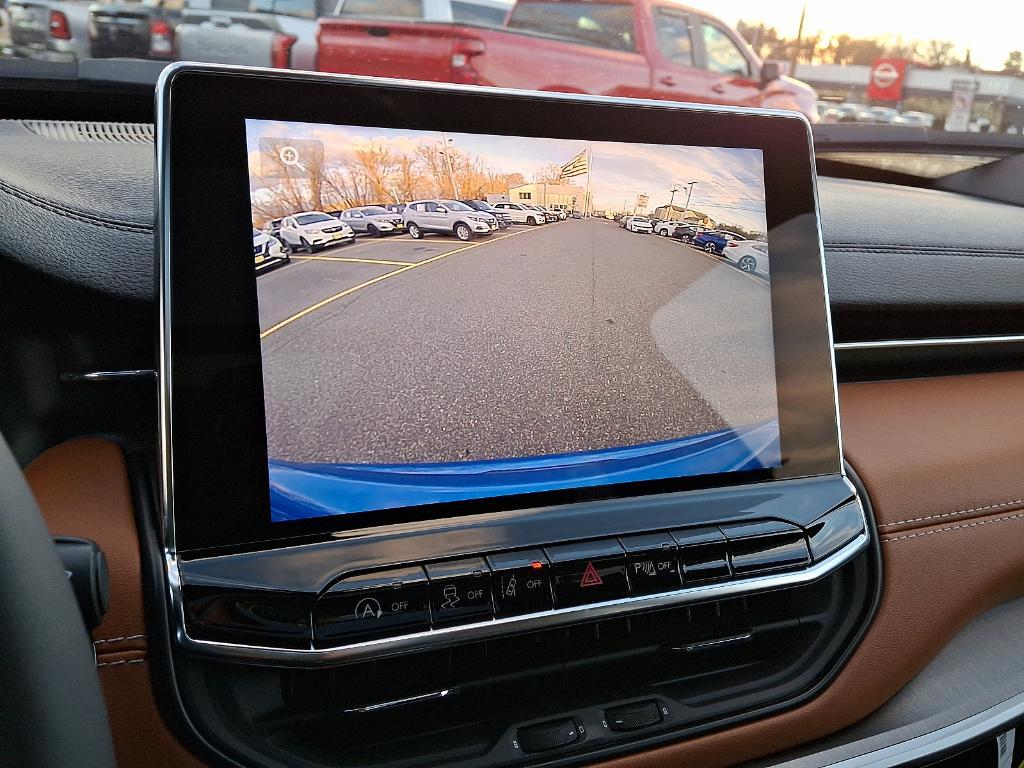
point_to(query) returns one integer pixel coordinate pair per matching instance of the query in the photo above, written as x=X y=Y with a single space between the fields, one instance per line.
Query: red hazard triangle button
x=591 y=578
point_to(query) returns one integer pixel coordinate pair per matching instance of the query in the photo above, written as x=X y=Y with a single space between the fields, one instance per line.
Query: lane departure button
x=372 y=605
x=588 y=572
x=521 y=582
x=460 y=591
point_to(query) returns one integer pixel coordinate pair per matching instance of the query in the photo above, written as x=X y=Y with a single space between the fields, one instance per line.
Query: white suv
x=522 y=214
x=448 y=216
x=313 y=230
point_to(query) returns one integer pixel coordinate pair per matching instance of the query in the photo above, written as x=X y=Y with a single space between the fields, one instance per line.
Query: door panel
x=673 y=58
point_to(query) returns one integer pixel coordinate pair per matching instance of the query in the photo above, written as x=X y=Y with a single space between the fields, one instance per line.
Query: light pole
x=689 y=192
x=672 y=201
x=445 y=142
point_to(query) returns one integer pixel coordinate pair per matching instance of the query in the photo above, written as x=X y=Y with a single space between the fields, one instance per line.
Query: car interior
x=394 y=500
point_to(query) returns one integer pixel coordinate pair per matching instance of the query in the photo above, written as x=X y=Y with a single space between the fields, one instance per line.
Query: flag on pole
x=577 y=166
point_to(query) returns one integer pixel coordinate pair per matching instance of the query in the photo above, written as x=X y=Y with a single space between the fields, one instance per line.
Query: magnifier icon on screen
x=289 y=156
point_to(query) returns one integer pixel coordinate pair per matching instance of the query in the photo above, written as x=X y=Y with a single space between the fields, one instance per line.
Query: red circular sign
x=884 y=74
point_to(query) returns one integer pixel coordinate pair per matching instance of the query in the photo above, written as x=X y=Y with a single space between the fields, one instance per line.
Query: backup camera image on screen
x=450 y=316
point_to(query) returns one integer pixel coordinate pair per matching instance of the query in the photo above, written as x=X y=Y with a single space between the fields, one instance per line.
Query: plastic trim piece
x=499 y=626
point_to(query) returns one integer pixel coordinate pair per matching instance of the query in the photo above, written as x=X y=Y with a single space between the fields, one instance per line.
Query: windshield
x=455 y=205
x=865 y=64
x=312 y=218
x=373 y=210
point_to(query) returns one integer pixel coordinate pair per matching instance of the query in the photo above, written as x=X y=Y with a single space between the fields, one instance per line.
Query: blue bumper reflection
x=305 y=490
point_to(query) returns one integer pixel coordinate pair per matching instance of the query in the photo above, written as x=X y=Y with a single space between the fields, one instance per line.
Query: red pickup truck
x=636 y=48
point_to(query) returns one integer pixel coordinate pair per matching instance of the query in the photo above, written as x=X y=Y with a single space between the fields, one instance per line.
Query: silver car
x=448 y=216
x=373 y=220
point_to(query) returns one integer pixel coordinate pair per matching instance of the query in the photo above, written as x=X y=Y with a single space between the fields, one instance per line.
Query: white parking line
x=722 y=260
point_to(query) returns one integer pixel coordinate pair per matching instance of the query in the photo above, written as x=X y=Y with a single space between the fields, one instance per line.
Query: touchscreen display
x=449 y=316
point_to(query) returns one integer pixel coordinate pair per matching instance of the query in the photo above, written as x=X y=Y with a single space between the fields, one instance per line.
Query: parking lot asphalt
x=572 y=336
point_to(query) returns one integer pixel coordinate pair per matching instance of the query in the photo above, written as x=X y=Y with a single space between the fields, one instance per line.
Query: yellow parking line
x=354 y=260
x=367 y=283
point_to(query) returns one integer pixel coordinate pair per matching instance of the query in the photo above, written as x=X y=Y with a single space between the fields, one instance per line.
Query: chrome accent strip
x=948 y=737
x=102 y=376
x=433 y=696
x=949 y=341
x=825 y=298
x=444 y=636
x=162 y=200
x=692 y=647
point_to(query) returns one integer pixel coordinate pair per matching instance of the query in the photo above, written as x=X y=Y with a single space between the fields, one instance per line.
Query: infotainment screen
x=471 y=306
x=461 y=316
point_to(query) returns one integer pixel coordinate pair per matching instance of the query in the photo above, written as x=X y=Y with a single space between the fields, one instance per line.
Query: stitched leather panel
x=937 y=450
x=82 y=490
x=82 y=212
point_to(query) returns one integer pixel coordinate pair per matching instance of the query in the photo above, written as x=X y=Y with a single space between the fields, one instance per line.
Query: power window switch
x=633 y=717
x=550 y=735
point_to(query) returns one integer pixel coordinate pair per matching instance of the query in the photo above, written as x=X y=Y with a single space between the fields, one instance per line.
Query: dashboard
x=797 y=618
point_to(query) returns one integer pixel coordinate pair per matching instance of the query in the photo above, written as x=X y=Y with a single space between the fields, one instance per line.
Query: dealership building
x=567 y=196
x=997 y=98
x=686 y=215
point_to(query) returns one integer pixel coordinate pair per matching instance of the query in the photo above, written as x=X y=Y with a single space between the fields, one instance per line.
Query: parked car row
x=750 y=256
x=312 y=231
x=637 y=48
x=69 y=30
x=852 y=112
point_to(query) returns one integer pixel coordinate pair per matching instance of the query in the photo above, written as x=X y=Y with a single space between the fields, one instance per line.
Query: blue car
x=714 y=241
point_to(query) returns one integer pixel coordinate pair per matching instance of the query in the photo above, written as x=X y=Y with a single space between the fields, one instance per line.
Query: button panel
x=633 y=717
x=372 y=605
x=765 y=546
x=520 y=582
x=460 y=591
x=652 y=564
x=703 y=554
x=420 y=598
x=550 y=735
x=588 y=572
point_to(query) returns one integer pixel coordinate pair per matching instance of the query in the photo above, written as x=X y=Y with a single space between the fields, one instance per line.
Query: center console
x=463 y=470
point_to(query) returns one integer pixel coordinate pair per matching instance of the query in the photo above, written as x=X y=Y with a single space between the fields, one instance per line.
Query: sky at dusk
x=730 y=182
x=989 y=28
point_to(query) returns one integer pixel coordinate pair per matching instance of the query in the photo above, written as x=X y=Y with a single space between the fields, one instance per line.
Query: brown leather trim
x=937 y=450
x=941 y=460
x=82 y=489
x=935 y=583
x=141 y=739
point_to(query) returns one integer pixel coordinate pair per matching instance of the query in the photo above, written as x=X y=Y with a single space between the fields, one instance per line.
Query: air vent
x=693 y=667
x=92 y=132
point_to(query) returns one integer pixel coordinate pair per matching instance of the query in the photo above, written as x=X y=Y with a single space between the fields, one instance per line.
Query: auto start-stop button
x=372 y=605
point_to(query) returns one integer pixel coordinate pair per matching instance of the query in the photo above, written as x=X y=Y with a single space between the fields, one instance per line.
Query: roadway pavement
x=572 y=336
